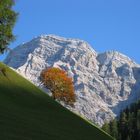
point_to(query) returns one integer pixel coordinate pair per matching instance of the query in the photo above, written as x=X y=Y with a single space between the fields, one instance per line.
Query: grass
x=27 y=113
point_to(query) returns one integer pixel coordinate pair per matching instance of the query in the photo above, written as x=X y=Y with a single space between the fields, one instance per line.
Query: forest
x=127 y=126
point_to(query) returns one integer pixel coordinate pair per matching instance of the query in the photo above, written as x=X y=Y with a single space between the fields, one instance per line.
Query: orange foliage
x=61 y=86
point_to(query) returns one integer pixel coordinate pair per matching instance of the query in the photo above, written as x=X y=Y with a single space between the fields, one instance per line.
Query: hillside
x=26 y=113
x=105 y=83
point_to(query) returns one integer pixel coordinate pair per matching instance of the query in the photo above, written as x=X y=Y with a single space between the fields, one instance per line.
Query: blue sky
x=105 y=24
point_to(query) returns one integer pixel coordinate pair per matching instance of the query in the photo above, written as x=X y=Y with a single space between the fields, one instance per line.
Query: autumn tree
x=58 y=82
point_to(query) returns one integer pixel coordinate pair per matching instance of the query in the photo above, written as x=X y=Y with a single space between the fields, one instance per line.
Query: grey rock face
x=104 y=83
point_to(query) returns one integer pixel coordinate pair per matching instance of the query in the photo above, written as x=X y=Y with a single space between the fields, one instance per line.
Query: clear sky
x=105 y=24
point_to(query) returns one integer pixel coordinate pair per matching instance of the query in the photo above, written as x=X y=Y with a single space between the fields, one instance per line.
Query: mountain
x=27 y=113
x=105 y=83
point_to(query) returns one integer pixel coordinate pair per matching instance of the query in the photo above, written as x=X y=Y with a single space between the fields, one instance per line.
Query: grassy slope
x=26 y=113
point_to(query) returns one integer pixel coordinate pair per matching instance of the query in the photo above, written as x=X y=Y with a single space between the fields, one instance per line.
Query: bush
x=3 y=71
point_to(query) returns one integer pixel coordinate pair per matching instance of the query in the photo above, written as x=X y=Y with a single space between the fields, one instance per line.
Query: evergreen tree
x=138 y=120
x=106 y=128
x=128 y=138
x=122 y=125
x=138 y=124
x=7 y=21
x=114 y=128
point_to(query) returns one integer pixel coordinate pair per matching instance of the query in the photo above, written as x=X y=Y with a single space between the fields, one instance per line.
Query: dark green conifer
x=7 y=21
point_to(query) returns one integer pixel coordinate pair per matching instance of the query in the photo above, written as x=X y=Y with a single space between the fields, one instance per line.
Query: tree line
x=127 y=126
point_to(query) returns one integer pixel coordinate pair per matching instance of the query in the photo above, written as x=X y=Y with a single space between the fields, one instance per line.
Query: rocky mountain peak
x=105 y=83
x=114 y=56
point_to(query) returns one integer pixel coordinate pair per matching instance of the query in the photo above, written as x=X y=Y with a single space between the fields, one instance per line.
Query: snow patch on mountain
x=104 y=83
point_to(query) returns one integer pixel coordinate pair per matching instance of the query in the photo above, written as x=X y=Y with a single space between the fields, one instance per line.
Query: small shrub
x=3 y=71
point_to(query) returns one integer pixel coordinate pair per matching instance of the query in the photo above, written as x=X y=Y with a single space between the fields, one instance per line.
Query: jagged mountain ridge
x=104 y=83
